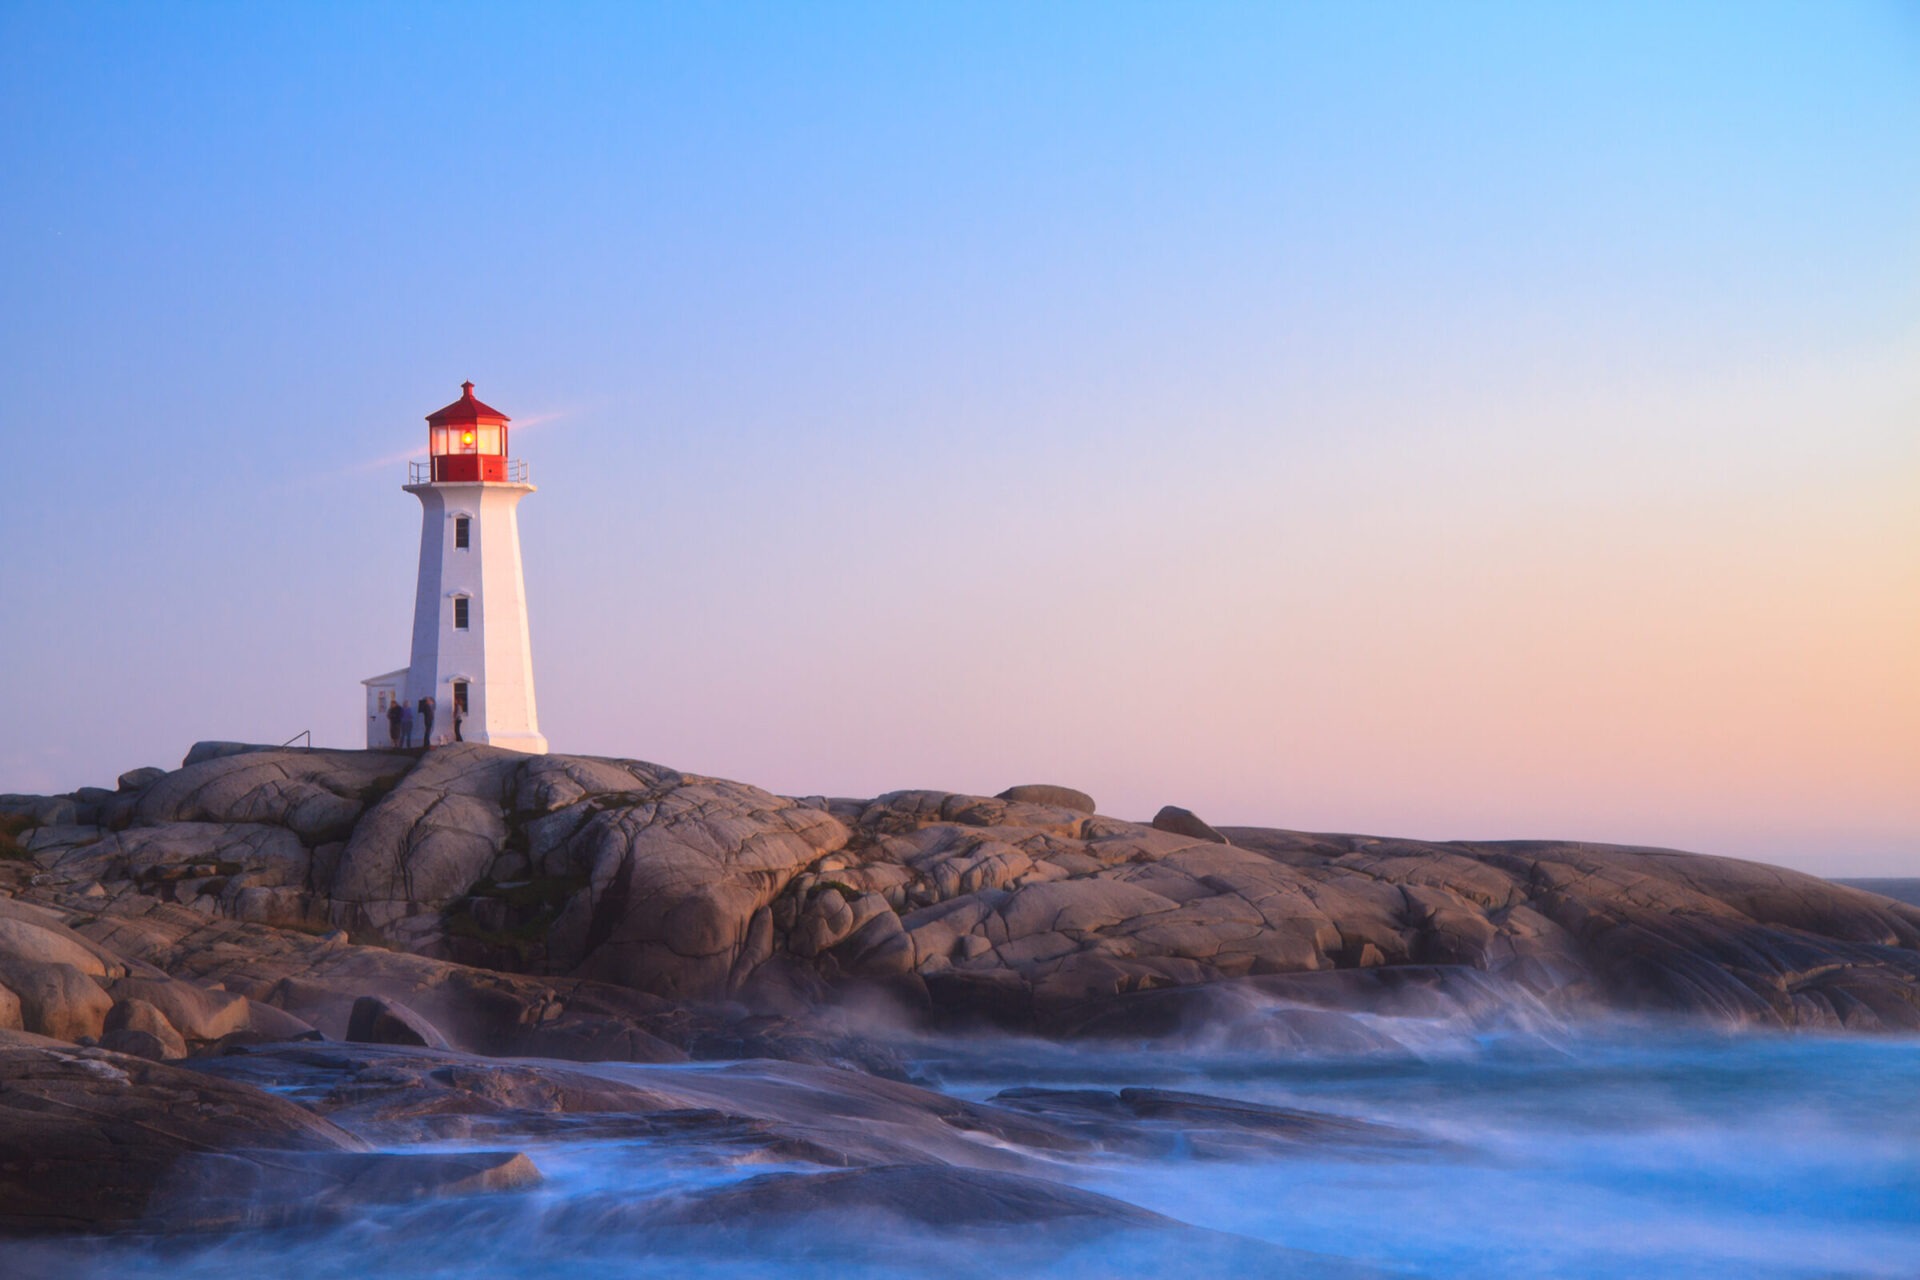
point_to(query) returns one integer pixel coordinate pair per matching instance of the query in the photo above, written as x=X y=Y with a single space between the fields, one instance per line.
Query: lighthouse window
x=460 y=524
x=460 y=612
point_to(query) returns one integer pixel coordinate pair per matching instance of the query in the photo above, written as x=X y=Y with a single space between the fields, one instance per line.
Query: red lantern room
x=468 y=440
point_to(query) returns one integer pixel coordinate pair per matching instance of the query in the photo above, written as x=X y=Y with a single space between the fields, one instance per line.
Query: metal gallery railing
x=420 y=471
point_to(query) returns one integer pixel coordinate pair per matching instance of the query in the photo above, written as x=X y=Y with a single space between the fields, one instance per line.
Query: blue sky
x=1469 y=420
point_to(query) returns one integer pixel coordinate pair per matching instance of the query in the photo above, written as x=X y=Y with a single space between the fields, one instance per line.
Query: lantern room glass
x=482 y=438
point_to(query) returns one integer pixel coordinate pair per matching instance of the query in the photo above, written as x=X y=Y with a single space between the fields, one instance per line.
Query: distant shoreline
x=1899 y=888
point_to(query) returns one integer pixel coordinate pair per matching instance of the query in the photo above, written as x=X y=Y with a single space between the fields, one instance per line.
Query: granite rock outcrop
x=1030 y=909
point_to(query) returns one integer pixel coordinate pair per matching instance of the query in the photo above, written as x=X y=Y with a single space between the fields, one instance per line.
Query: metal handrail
x=304 y=733
x=420 y=471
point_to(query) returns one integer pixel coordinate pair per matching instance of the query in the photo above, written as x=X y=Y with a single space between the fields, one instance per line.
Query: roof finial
x=467 y=390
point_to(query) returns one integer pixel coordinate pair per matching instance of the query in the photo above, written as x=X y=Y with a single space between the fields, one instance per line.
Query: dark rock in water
x=93 y=1140
x=87 y=1137
x=935 y=1196
x=398 y=1093
x=1163 y=1122
x=904 y=1220
x=819 y=1115
x=1048 y=794
x=1185 y=822
x=219 y=1191
x=377 y=1021
x=382 y=1179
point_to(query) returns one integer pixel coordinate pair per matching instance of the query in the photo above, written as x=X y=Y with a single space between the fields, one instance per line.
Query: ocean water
x=1625 y=1155
x=1608 y=1150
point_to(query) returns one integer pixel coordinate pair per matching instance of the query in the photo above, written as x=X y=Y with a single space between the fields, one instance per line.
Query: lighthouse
x=470 y=642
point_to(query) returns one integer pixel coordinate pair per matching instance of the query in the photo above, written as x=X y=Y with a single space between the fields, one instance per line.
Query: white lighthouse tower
x=470 y=643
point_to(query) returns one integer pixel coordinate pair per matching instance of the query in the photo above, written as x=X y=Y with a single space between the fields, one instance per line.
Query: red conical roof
x=465 y=411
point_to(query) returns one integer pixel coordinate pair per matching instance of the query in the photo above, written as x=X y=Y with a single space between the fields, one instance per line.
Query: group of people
x=401 y=720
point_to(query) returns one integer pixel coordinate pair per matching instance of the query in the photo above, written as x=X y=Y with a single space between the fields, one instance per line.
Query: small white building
x=471 y=652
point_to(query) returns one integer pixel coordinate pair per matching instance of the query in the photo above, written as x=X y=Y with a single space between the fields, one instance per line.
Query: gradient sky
x=1452 y=421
